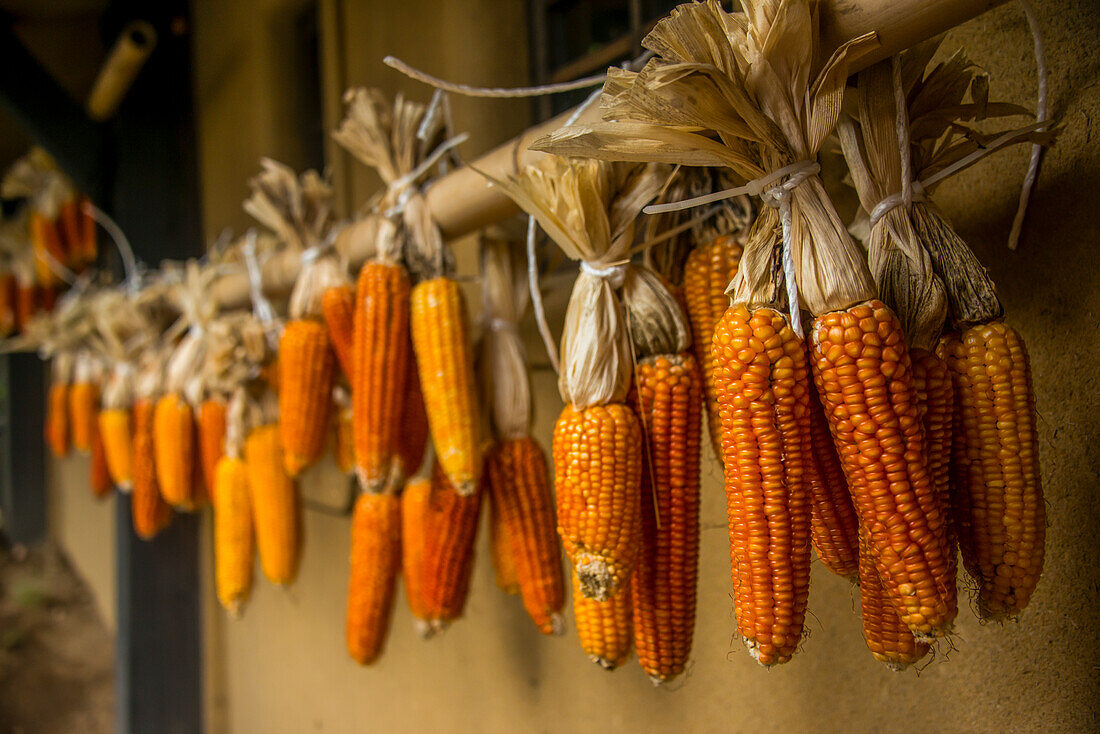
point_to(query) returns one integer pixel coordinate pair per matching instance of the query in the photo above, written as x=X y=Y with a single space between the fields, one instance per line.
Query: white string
x=59 y=270
x=756 y=187
x=1041 y=115
x=536 y=297
x=261 y=307
x=499 y=324
x=491 y=92
x=613 y=273
x=583 y=107
x=118 y=237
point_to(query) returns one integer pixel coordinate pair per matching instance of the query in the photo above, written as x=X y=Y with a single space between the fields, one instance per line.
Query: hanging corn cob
x=412 y=442
x=526 y=554
x=273 y=497
x=439 y=526
x=343 y=446
x=604 y=627
x=889 y=640
x=298 y=210
x=775 y=121
x=212 y=437
x=174 y=434
x=116 y=426
x=375 y=562
x=233 y=535
x=338 y=308
x=150 y=513
x=7 y=301
x=99 y=477
x=84 y=401
x=57 y=409
x=993 y=489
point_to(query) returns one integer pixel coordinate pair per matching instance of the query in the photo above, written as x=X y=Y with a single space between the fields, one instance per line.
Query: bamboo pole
x=463 y=202
x=130 y=52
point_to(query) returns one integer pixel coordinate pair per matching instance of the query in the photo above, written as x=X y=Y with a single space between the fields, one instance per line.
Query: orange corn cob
x=500 y=545
x=100 y=477
x=118 y=442
x=597 y=479
x=338 y=307
x=344 y=446
x=89 y=240
x=57 y=421
x=996 y=493
x=380 y=352
x=761 y=381
x=448 y=530
x=83 y=413
x=445 y=362
x=889 y=639
x=863 y=375
x=668 y=399
x=69 y=227
x=150 y=512
x=414 y=509
x=46 y=241
x=233 y=540
x=375 y=561
x=211 y=440
x=7 y=304
x=834 y=526
x=412 y=439
x=604 y=627
x=935 y=403
x=174 y=441
x=707 y=273
x=274 y=505
x=520 y=492
x=308 y=368
x=46 y=298
x=25 y=305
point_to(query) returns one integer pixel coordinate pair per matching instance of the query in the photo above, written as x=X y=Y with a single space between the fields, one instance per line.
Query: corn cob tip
x=557 y=624
x=608 y=665
x=235 y=609
x=125 y=486
x=371 y=486
x=426 y=629
x=466 y=488
x=596 y=579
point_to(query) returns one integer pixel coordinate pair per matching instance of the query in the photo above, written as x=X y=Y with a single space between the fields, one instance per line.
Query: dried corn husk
x=297 y=209
x=734 y=90
x=589 y=209
x=503 y=367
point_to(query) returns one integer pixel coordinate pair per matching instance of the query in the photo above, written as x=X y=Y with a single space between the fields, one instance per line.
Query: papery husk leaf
x=313 y=280
x=503 y=362
x=297 y=209
x=185 y=361
x=595 y=348
x=657 y=323
x=758 y=282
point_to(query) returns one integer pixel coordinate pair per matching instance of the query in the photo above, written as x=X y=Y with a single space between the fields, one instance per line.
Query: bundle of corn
x=589 y=209
x=233 y=537
x=746 y=77
x=526 y=553
x=150 y=513
x=273 y=494
x=438 y=530
x=384 y=139
x=298 y=209
x=926 y=272
x=57 y=408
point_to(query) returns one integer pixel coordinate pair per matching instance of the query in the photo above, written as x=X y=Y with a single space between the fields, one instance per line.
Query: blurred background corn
x=274 y=505
x=520 y=491
x=83 y=413
x=375 y=563
x=57 y=419
x=211 y=439
x=307 y=369
x=997 y=496
x=505 y=574
x=150 y=513
x=380 y=353
x=174 y=442
x=707 y=274
x=414 y=510
x=761 y=382
x=99 y=475
x=412 y=439
x=116 y=431
x=668 y=398
x=338 y=308
x=863 y=375
x=445 y=363
x=597 y=482
x=233 y=535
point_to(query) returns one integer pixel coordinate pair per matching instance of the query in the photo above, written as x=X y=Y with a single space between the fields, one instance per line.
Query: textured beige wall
x=282 y=668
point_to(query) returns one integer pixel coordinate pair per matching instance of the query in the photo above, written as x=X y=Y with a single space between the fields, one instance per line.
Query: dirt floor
x=56 y=656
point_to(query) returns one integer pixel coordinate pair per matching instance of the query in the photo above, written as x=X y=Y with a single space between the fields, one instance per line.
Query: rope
x=118 y=237
x=468 y=90
x=536 y=297
x=1041 y=115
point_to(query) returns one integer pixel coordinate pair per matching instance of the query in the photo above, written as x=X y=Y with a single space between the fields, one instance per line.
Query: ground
x=56 y=655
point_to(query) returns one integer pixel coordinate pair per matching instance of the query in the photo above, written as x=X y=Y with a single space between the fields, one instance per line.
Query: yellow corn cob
x=761 y=381
x=707 y=273
x=211 y=440
x=100 y=477
x=996 y=493
x=668 y=398
x=889 y=639
x=233 y=543
x=375 y=562
x=414 y=510
x=604 y=627
x=445 y=362
x=150 y=513
x=338 y=307
x=597 y=479
x=308 y=368
x=834 y=525
x=57 y=422
x=863 y=375
x=344 y=447
x=520 y=492
x=274 y=505
x=174 y=442
x=83 y=411
x=118 y=442
x=380 y=352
